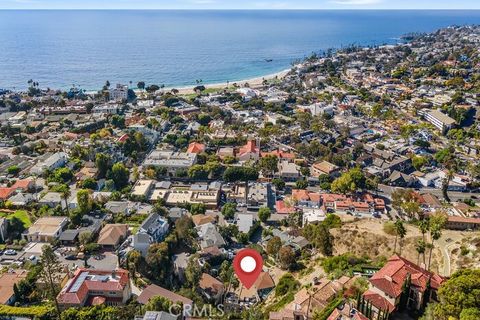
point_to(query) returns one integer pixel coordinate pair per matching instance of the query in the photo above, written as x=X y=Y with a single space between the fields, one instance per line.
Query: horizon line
x=238 y=9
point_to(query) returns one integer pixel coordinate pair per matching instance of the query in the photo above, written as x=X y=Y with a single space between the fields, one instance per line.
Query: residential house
x=143 y=188
x=118 y=93
x=284 y=208
x=90 y=287
x=324 y=168
x=305 y=198
x=6 y=193
x=53 y=162
x=259 y=195
x=244 y=222
x=46 y=229
x=7 y=281
x=387 y=286
x=201 y=219
x=112 y=235
x=176 y=213
x=250 y=151
x=400 y=179
x=24 y=185
x=462 y=223
x=69 y=236
x=52 y=200
x=281 y=155
x=117 y=207
x=196 y=147
x=157 y=291
x=346 y=312
x=288 y=171
x=264 y=285
x=21 y=199
x=152 y=230
x=89 y=171
x=209 y=236
x=211 y=288
x=311 y=215
x=306 y=301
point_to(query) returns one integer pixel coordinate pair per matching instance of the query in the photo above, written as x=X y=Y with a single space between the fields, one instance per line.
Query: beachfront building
x=119 y=93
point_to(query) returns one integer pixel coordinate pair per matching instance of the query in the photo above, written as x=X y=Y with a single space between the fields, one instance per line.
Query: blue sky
x=239 y=4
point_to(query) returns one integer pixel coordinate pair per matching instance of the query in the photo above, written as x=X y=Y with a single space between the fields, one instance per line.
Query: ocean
x=85 y=48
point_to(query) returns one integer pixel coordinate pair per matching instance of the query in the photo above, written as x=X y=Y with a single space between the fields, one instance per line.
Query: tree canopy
x=459 y=296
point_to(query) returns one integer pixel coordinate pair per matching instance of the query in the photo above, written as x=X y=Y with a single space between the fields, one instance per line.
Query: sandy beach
x=253 y=82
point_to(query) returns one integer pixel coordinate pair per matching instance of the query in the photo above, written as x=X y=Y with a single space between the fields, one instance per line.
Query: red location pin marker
x=248 y=264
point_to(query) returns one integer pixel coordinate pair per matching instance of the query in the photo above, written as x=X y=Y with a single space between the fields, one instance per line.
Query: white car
x=10 y=252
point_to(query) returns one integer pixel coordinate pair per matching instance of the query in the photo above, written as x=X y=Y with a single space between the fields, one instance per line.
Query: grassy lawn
x=20 y=214
x=134 y=221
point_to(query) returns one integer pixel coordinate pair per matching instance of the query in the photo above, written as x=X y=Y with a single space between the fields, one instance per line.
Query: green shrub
x=37 y=312
x=286 y=284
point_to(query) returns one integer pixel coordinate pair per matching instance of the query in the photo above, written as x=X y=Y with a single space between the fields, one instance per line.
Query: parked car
x=71 y=257
x=10 y=252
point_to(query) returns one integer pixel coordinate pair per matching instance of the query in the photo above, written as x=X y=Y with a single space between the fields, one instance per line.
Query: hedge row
x=36 y=312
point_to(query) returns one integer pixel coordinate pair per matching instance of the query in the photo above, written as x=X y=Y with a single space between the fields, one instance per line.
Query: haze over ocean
x=175 y=48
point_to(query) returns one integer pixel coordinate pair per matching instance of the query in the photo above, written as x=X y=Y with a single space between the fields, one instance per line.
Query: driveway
x=444 y=248
x=105 y=261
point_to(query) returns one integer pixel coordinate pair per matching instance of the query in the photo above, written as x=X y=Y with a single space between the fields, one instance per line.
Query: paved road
x=444 y=248
x=454 y=195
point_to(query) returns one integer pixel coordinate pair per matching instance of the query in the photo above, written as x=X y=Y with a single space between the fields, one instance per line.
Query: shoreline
x=253 y=82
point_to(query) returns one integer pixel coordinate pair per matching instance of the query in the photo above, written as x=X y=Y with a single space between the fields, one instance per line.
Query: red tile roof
x=22 y=184
x=154 y=290
x=250 y=147
x=279 y=154
x=392 y=276
x=5 y=193
x=304 y=195
x=359 y=316
x=334 y=315
x=264 y=281
x=78 y=289
x=463 y=220
x=196 y=147
x=123 y=138
x=378 y=301
x=282 y=208
x=209 y=283
x=332 y=197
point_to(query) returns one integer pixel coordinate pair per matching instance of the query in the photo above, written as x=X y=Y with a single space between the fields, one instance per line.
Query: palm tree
x=420 y=247
x=423 y=226
x=65 y=193
x=400 y=231
x=436 y=223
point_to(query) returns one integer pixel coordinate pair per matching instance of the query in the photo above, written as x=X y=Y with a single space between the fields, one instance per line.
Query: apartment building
x=440 y=120
x=170 y=160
